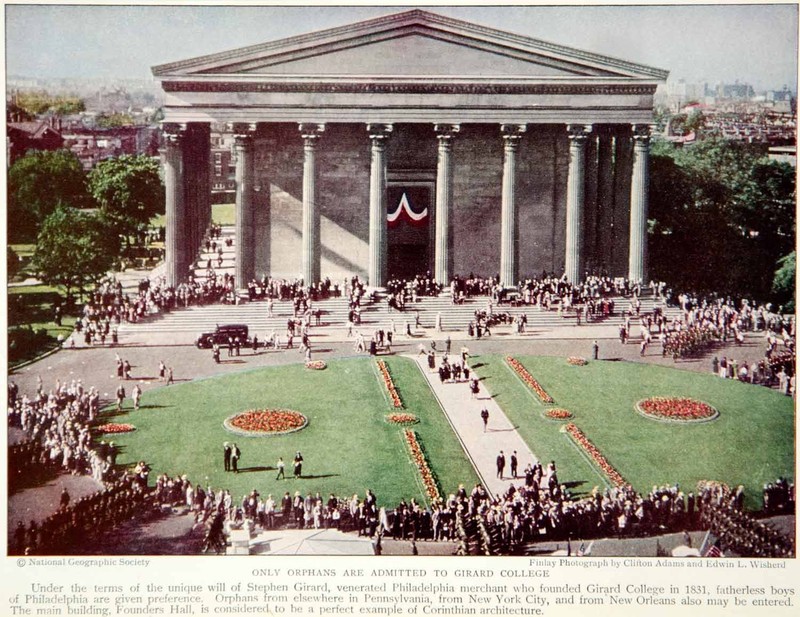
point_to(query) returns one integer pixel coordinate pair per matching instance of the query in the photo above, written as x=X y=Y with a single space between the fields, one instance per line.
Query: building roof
x=414 y=66
x=34 y=130
x=425 y=38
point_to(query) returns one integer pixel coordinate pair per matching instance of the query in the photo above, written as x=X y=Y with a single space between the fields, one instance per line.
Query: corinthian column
x=640 y=182
x=378 y=134
x=243 y=153
x=444 y=196
x=311 y=240
x=512 y=133
x=175 y=239
x=575 y=192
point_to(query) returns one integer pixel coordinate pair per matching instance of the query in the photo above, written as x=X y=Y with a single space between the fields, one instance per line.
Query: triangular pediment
x=414 y=43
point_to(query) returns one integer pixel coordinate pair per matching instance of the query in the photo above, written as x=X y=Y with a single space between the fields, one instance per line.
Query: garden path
x=482 y=447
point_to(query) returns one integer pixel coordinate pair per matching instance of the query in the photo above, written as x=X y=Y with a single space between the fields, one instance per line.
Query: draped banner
x=404 y=211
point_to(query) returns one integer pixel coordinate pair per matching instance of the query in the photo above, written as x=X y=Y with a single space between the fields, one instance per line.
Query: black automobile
x=222 y=335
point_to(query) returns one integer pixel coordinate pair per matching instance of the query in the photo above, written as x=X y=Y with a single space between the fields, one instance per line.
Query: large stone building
x=414 y=142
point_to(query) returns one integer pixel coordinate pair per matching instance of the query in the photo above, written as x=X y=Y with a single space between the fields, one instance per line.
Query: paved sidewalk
x=481 y=447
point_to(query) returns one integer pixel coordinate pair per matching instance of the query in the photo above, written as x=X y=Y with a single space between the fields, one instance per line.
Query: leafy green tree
x=39 y=181
x=128 y=190
x=785 y=280
x=37 y=102
x=114 y=120
x=74 y=249
x=723 y=214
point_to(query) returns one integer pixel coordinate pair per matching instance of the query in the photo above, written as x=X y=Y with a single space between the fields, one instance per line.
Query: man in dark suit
x=514 y=464
x=501 y=464
x=226 y=455
x=236 y=454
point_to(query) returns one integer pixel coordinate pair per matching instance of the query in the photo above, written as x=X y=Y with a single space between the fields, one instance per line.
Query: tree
x=74 y=249
x=723 y=214
x=128 y=190
x=784 y=282
x=39 y=181
x=114 y=120
x=37 y=102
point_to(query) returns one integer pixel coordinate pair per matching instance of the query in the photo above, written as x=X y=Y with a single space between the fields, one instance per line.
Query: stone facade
x=415 y=142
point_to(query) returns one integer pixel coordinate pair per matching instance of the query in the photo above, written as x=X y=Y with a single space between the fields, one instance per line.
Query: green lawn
x=222 y=214
x=751 y=443
x=347 y=446
x=32 y=305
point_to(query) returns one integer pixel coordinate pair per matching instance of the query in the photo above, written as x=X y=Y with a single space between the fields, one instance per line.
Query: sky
x=756 y=44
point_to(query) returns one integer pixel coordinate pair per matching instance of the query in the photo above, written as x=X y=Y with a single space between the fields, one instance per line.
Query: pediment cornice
x=259 y=58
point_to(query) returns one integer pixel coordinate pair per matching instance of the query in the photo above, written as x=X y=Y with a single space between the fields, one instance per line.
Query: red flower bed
x=387 y=381
x=422 y=465
x=115 y=428
x=316 y=365
x=528 y=379
x=265 y=422
x=402 y=418
x=595 y=454
x=676 y=409
x=556 y=413
x=577 y=361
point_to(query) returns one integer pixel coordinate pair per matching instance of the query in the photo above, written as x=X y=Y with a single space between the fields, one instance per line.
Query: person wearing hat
x=226 y=455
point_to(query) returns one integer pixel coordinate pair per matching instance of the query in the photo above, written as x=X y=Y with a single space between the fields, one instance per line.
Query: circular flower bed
x=577 y=361
x=557 y=413
x=676 y=409
x=265 y=422
x=403 y=419
x=116 y=428
x=316 y=365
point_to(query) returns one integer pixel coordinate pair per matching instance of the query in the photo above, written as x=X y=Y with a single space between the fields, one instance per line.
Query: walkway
x=481 y=447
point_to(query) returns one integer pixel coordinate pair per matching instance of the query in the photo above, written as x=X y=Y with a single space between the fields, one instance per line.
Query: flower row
x=674 y=408
x=577 y=361
x=422 y=465
x=557 y=413
x=316 y=365
x=115 y=428
x=528 y=379
x=267 y=421
x=595 y=454
x=402 y=418
x=387 y=381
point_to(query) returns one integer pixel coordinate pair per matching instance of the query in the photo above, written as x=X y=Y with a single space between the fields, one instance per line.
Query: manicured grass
x=347 y=446
x=222 y=214
x=32 y=305
x=751 y=443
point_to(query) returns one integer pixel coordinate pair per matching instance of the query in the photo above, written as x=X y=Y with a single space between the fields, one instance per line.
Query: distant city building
x=223 y=167
x=92 y=145
x=22 y=137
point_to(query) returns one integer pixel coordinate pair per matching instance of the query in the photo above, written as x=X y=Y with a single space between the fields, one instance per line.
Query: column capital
x=578 y=132
x=641 y=133
x=173 y=132
x=446 y=132
x=379 y=132
x=513 y=131
x=242 y=132
x=310 y=132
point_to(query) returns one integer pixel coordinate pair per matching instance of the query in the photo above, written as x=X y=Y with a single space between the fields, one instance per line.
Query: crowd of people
x=738 y=532
x=538 y=507
x=79 y=522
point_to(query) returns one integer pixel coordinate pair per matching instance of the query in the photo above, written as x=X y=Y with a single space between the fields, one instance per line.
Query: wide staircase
x=456 y=317
x=185 y=324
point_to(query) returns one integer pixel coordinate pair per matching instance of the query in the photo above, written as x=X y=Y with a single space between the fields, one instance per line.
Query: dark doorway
x=409 y=216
